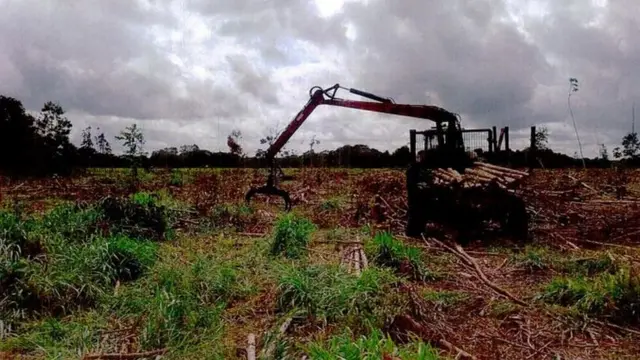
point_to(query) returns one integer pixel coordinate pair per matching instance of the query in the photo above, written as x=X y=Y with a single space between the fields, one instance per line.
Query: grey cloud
x=101 y=58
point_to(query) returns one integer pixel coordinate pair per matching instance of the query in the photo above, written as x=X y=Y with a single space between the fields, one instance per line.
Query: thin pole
x=576 y=130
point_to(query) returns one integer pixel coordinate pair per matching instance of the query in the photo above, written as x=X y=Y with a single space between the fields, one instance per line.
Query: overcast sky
x=191 y=71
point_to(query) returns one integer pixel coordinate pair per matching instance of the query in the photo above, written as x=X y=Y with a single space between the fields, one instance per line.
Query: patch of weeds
x=336 y=234
x=139 y=217
x=613 y=295
x=77 y=275
x=73 y=267
x=68 y=223
x=238 y=216
x=329 y=294
x=176 y=178
x=58 y=338
x=332 y=204
x=602 y=263
x=130 y=258
x=502 y=308
x=291 y=236
x=532 y=259
x=444 y=299
x=144 y=198
x=374 y=345
x=385 y=250
x=181 y=305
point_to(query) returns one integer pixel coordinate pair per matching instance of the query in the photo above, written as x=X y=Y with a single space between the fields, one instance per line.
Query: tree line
x=39 y=145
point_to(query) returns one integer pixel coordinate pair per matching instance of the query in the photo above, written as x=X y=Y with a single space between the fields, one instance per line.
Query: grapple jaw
x=270 y=189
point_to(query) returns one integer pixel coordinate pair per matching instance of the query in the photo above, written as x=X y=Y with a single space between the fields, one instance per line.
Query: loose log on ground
x=127 y=356
x=251 y=347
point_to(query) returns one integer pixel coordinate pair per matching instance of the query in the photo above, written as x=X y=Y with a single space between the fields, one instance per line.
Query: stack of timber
x=480 y=175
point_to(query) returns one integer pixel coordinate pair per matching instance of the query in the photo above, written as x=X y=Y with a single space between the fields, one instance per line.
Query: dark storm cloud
x=99 y=57
x=110 y=62
x=477 y=66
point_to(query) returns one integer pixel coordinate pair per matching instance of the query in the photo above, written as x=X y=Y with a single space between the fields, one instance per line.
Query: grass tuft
x=291 y=236
x=329 y=294
x=386 y=251
x=374 y=345
x=613 y=295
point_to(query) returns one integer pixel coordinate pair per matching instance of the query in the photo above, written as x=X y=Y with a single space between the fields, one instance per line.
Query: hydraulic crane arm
x=319 y=96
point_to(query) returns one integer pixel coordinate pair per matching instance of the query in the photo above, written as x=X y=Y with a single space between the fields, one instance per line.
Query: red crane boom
x=319 y=96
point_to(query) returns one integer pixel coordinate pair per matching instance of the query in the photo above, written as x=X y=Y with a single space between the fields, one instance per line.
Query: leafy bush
x=291 y=236
x=374 y=345
x=384 y=250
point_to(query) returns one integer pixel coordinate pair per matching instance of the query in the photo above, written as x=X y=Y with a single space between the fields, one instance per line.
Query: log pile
x=354 y=258
x=479 y=175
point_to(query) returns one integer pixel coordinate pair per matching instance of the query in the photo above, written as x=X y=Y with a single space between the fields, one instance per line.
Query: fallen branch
x=459 y=252
x=126 y=355
x=609 y=244
x=268 y=351
x=582 y=183
x=618 y=327
x=421 y=331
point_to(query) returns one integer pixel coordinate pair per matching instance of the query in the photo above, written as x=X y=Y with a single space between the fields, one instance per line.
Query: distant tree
x=401 y=156
x=233 y=142
x=56 y=152
x=186 y=149
x=268 y=140
x=102 y=143
x=133 y=142
x=87 y=142
x=53 y=126
x=631 y=147
x=17 y=137
x=541 y=139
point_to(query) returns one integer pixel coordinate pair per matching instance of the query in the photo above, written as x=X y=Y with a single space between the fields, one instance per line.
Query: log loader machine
x=427 y=202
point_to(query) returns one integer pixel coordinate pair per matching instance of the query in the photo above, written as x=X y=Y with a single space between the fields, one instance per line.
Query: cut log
x=501 y=168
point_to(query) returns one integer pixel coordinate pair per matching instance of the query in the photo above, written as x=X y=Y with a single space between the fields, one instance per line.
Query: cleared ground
x=221 y=270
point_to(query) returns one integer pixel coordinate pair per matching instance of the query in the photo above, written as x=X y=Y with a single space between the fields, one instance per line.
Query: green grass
x=374 y=345
x=444 y=299
x=533 y=259
x=385 y=250
x=616 y=296
x=329 y=294
x=291 y=236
